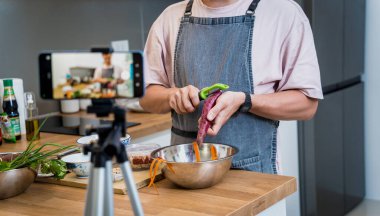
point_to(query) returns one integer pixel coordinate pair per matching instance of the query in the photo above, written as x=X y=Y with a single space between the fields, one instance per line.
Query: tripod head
x=108 y=145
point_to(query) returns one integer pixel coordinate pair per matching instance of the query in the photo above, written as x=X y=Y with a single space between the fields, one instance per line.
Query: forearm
x=156 y=99
x=285 y=105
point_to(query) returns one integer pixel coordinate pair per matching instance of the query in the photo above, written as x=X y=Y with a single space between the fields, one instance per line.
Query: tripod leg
x=87 y=210
x=132 y=191
x=97 y=192
x=108 y=199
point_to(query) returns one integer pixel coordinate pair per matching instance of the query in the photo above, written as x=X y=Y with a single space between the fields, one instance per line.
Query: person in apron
x=212 y=50
x=107 y=70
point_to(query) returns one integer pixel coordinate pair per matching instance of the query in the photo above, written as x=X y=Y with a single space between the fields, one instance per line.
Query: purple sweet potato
x=204 y=123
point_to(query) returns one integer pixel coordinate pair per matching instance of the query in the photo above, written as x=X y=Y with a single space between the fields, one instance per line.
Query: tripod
x=99 y=198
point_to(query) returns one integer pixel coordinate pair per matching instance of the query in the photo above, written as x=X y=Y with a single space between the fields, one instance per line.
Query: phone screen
x=91 y=75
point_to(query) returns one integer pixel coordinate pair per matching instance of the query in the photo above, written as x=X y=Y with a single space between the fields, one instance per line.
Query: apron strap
x=252 y=8
x=188 y=8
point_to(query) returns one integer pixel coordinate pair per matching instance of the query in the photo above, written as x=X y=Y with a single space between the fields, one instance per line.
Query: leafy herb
x=36 y=156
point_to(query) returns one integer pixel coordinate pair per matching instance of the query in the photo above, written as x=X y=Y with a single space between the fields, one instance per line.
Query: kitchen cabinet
x=332 y=155
x=326 y=21
x=354 y=28
x=353 y=133
x=329 y=156
x=331 y=146
x=338 y=28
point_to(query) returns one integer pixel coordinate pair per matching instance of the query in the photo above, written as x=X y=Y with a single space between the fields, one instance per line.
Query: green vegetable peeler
x=205 y=92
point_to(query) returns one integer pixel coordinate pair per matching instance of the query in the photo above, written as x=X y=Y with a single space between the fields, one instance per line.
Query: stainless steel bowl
x=15 y=182
x=191 y=174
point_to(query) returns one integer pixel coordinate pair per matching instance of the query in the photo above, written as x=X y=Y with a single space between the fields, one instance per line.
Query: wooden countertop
x=239 y=193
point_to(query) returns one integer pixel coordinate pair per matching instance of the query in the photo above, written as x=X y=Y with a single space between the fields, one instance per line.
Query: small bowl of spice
x=139 y=155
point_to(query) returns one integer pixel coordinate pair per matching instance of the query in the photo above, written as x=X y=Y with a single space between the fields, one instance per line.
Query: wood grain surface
x=239 y=193
x=141 y=179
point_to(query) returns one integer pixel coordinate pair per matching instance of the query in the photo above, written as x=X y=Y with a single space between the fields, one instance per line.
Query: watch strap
x=247 y=105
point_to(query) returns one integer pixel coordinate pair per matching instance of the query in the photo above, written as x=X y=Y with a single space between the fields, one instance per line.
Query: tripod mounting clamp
x=108 y=144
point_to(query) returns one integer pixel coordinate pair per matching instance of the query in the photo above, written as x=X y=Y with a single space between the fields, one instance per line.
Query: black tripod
x=99 y=198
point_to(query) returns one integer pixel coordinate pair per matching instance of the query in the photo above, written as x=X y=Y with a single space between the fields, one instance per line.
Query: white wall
x=372 y=100
x=287 y=141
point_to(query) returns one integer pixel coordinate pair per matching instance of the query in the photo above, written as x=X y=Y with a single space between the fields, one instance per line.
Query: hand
x=226 y=105
x=184 y=100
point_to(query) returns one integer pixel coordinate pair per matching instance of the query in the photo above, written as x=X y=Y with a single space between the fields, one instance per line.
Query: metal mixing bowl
x=191 y=174
x=14 y=182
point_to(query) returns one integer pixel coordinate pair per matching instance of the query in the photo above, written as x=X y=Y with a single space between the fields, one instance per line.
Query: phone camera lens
x=137 y=84
x=48 y=58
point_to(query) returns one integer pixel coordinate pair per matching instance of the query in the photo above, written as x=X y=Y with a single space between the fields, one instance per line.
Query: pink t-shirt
x=283 y=51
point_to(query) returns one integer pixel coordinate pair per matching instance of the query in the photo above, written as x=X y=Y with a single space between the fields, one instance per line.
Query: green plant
x=36 y=156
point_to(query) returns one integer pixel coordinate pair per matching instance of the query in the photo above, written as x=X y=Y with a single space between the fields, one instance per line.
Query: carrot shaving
x=214 y=154
x=154 y=166
x=196 y=152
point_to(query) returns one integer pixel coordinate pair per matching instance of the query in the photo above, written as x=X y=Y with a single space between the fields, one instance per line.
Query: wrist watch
x=247 y=105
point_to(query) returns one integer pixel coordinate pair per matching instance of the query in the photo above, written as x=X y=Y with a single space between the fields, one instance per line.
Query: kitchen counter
x=239 y=193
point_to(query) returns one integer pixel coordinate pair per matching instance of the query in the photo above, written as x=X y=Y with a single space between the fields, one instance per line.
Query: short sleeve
x=299 y=61
x=155 y=72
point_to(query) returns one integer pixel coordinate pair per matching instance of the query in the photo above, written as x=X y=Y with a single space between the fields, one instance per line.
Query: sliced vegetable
x=214 y=154
x=196 y=152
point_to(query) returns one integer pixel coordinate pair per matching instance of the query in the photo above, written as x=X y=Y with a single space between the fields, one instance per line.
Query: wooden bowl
x=15 y=182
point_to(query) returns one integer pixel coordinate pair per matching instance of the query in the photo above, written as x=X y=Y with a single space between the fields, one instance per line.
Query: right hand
x=184 y=100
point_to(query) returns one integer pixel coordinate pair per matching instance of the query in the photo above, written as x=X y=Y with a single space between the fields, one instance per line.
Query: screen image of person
x=108 y=70
x=92 y=75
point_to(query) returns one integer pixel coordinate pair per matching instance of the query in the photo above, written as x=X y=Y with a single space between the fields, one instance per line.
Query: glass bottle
x=11 y=108
x=31 y=113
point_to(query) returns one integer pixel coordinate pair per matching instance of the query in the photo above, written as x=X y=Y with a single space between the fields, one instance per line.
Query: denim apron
x=218 y=50
x=107 y=72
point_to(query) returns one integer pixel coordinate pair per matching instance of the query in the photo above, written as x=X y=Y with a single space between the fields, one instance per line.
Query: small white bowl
x=93 y=138
x=78 y=164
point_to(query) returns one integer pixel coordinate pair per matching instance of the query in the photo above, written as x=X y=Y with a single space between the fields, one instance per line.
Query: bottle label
x=15 y=122
x=8 y=94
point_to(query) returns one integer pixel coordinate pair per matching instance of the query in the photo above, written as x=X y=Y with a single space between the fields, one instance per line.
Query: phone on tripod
x=100 y=76
x=91 y=75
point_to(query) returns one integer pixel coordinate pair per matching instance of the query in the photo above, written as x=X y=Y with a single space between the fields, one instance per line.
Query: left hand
x=226 y=105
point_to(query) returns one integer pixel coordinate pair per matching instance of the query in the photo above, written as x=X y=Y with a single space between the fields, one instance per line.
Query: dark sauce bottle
x=11 y=108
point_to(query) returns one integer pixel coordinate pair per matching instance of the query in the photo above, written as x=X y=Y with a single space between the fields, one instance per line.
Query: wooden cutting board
x=141 y=178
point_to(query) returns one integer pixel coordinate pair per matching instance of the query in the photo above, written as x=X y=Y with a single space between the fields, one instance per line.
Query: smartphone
x=91 y=75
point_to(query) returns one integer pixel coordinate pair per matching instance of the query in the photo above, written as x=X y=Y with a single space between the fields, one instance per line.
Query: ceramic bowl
x=78 y=164
x=93 y=138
